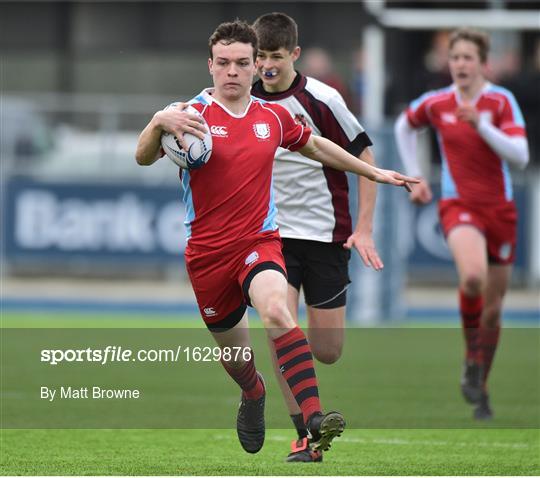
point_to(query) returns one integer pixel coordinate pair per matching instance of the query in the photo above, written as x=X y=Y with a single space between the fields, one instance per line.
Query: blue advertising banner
x=97 y=221
x=115 y=222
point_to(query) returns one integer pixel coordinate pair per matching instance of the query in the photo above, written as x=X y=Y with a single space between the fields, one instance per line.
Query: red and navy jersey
x=312 y=199
x=471 y=170
x=231 y=197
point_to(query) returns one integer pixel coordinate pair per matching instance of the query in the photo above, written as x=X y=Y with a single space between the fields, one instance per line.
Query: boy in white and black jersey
x=312 y=201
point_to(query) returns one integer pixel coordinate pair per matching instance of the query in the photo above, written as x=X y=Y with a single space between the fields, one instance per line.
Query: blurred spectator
x=358 y=82
x=317 y=63
x=435 y=74
x=504 y=66
x=525 y=84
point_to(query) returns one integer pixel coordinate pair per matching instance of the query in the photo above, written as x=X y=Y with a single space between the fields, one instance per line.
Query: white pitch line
x=400 y=441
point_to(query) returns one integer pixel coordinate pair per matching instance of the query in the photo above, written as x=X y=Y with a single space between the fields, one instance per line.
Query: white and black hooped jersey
x=312 y=199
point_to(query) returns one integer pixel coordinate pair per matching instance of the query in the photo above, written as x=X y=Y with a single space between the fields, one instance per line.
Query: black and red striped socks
x=489 y=339
x=296 y=364
x=471 y=310
x=247 y=378
x=481 y=342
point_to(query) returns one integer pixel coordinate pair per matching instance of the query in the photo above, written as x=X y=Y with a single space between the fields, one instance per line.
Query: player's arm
x=338 y=126
x=513 y=149
x=171 y=120
x=362 y=236
x=149 y=144
x=406 y=140
x=326 y=152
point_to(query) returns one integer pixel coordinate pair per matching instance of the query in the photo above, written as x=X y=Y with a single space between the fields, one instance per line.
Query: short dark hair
x=231 y=32
x=479 y=38
x=276 y=30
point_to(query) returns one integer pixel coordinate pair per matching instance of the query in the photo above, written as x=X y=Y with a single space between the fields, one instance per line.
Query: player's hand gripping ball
x=198 y=150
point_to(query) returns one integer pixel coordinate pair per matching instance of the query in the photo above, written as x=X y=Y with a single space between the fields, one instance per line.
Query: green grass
x=216 y=452
x=396 y=387
x=65 y=319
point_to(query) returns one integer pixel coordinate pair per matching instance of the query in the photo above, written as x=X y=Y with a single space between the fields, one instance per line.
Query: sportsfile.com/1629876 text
x=119 y=354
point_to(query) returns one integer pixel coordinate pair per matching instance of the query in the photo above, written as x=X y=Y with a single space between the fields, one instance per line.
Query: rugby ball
x=198 y=150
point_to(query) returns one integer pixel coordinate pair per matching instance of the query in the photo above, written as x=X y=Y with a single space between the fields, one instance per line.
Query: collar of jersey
x=297 y=85
x=459 y=101
x=206 y=93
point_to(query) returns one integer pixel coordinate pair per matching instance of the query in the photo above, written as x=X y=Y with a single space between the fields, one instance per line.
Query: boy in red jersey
x=233 y=255
x=481 y=129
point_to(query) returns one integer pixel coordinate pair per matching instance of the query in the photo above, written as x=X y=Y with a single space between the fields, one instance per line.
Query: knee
x=275 y=314
x=492 y=315
x=472 y=284
x=327 y=354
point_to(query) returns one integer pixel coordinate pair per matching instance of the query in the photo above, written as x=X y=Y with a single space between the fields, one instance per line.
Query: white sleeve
x=346 y=120
x=406 y=140
x=513 y=149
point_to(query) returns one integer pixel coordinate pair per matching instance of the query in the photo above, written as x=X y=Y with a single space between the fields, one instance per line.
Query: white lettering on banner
x=170 y=229
x=33 y=211
x=429 y=234
x=123 y=224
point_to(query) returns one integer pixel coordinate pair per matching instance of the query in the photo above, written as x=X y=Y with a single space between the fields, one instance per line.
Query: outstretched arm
x=362 y=236
x=406 y=143
x=326 y=152
x=171 y=120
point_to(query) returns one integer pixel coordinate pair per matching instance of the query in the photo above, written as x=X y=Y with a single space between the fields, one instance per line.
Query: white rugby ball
x=198 y=150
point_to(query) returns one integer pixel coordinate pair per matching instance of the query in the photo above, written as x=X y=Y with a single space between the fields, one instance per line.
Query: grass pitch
x=387 y=435
x=217 y=452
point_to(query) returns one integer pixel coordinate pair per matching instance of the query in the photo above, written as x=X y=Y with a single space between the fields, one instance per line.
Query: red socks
x=481 y=343
x=489 y=339
x=296 y=365
x=471 y=310
x=247 y=378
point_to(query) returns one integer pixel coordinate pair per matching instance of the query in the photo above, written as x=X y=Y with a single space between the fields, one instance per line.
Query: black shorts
x=321 y=268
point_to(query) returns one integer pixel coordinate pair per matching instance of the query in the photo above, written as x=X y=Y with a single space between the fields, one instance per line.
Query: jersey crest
x=261 y=130
x=300 y=119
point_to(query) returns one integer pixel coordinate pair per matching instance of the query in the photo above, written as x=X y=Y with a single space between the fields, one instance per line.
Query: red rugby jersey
x=231 y=197
x=471 y=170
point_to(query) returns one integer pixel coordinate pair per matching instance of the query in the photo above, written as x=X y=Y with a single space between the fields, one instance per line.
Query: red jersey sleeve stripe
x=305 y=133
x=512 y=129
